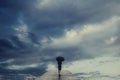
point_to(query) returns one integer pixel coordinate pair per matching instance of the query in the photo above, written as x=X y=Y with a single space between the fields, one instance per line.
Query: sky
x=34 y=32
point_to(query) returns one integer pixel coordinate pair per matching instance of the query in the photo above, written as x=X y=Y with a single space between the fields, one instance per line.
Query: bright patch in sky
x=22 y=67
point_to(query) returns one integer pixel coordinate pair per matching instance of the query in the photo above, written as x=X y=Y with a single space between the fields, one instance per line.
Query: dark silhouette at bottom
x=59 y=60
x=59 y=77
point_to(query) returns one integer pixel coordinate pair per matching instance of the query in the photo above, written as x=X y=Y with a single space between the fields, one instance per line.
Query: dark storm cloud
x=6 y=46
x=46 y=20
x=51 y=19
x=10 y=12
x=4 y=43
x=56 y=17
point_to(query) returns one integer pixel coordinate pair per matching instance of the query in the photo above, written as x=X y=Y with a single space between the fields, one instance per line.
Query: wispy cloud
x=22 y=67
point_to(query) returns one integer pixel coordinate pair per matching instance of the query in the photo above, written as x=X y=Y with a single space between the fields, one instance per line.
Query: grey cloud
x=48 y=22
x=60 y=15
x=4 y=43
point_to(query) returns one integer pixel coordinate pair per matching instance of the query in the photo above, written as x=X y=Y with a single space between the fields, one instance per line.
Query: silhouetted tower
x=59 y=60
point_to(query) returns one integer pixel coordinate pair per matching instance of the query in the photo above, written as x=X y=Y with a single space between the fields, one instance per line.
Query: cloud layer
x=34 y=32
